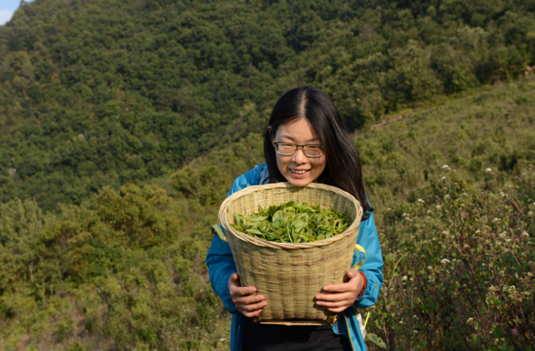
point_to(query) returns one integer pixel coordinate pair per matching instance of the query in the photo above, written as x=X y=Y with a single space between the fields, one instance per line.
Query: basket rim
x=264 y=243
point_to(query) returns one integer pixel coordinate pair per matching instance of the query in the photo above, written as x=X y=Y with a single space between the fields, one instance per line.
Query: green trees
x=99 y=92
x=125 y=269
x=123 y=123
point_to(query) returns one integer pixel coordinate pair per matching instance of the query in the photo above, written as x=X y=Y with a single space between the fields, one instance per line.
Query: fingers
x=336 y=306
x=236 y=290
x=249 y=300
x=246 y=303
x=250 y=314
x=330 y=298
x=251 y=310
x=335 y=302
x=339 y=288
x=341 y=296
x=354 y=280
x=352 y=274
x=338 y=309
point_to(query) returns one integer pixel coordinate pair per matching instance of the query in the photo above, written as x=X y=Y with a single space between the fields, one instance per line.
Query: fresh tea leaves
x=292 y=222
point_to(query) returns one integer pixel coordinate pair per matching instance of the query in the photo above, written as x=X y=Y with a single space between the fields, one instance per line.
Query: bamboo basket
x=291 y=275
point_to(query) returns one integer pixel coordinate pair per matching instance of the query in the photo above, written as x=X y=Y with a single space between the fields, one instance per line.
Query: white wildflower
x=445 y=167
x=404 y=277
x=421 y=201
x=415 y=331
x=488 y=170
x=483 y=264
x=508 y=240
x=496 y=220
x=442 y=178
x=430 y=267
x=439 y=207
x=525 y=234
x=444 y=261
x=446 y=196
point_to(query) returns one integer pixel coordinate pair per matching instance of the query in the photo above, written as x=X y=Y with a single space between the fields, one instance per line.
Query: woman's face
x=298 y=169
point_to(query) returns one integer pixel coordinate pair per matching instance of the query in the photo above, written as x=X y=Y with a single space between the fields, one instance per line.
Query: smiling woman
x=305 y=142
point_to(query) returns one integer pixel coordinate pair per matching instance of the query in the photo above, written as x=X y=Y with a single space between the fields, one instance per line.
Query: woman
x=305 y=142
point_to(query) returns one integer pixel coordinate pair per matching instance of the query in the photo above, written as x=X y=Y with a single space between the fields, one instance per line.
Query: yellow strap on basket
x=217 y=229
x=360 y=263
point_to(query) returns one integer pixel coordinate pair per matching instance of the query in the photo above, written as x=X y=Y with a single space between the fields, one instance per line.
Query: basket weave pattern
x=291 y=275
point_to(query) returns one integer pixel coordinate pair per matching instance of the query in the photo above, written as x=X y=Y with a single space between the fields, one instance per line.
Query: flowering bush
x=460 y=266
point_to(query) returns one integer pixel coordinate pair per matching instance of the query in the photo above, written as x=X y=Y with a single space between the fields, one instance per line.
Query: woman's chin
x=299 y=181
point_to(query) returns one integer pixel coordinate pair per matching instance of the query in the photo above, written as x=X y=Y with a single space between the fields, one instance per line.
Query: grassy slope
x=455 y=238
x=114 y=274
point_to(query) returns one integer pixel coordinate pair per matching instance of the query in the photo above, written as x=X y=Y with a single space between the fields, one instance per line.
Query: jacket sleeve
x=219 y=260
x=373 y=266
x=220 y=266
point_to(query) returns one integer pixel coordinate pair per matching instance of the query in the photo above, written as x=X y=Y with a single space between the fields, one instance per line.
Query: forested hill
x=104 y=92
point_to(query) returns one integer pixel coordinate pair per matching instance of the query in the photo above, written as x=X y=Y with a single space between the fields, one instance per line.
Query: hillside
x=453 y=189
x=107 y=92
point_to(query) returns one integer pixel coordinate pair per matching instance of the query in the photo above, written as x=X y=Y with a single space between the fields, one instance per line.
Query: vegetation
x=106 y=92
x=125 y=269
x=103 y=239
x=292 y=222
x=454 y=192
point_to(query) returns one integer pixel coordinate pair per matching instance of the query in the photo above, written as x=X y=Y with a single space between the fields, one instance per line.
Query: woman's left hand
x=341 y=296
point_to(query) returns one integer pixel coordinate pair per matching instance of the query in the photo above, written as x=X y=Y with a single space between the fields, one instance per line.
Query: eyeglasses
x=288 y=149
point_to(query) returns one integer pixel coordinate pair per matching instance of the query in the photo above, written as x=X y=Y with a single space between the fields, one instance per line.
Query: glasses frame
x=275 y=143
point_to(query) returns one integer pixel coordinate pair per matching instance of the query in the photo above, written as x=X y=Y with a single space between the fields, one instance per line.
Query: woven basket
x=291 y=275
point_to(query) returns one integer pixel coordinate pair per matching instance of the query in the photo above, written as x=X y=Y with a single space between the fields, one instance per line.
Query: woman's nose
x=299 y=156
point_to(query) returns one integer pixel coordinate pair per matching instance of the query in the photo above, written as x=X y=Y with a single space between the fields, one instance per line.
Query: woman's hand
x=249 y=306
x=341 y=296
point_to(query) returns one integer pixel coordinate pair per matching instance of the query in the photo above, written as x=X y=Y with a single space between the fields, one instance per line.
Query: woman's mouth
x=299 y=172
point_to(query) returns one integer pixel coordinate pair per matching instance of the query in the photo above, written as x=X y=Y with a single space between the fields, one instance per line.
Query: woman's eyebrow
x=293 y=139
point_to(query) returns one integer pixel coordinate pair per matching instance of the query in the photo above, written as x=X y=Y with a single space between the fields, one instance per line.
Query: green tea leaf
x=292 y=222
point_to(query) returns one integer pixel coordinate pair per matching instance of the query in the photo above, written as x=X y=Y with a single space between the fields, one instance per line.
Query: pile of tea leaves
x=292 y=222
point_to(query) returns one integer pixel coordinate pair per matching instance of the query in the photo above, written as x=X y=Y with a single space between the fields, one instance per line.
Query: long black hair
x=343 y=163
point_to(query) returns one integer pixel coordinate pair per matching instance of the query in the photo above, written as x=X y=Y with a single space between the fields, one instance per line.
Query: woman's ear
x=269 y=129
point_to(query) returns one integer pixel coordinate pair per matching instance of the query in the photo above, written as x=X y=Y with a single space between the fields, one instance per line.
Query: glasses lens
x=313 y=150
x=285 y=149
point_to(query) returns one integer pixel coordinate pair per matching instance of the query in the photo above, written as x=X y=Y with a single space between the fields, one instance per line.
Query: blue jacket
x=221 y=265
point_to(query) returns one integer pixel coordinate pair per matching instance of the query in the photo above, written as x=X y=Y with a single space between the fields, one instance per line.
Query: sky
x=7 y=7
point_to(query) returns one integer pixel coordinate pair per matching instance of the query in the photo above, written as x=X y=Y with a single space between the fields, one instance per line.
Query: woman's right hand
x=248 y=305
